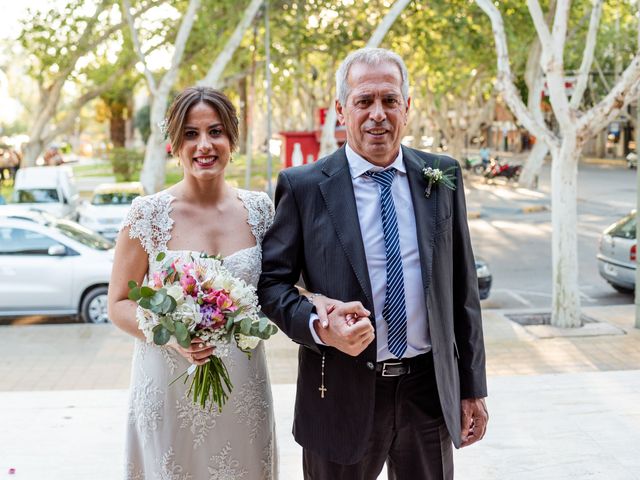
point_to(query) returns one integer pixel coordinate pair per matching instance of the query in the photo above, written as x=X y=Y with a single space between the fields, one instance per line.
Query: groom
x=363 y=225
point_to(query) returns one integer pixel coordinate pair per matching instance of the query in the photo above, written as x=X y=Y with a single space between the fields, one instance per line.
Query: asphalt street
x=518 y=245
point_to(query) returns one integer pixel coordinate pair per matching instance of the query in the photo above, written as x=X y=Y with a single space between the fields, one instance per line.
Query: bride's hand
x=197 y=353
x=325 y=305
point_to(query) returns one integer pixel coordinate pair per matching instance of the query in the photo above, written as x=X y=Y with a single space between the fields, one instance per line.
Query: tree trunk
x=532 y=166
x=244 y=116
x=456 y=144
x=32 y=149
x=565 y=310
x=155 y=156
x=328 y=142
x=117 y=125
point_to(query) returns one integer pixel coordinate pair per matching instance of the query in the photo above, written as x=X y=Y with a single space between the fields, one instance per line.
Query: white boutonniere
x=435 y=176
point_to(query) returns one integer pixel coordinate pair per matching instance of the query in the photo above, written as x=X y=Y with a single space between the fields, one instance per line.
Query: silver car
x=617 y=254
x=51 y=266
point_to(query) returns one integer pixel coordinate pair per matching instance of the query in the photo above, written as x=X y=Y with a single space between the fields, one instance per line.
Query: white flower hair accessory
x=164 y=127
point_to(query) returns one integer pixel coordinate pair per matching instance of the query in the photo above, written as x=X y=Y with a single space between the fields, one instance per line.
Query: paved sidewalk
x=561 y=408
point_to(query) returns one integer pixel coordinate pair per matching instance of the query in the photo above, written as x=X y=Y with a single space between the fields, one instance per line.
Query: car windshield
x=625 y=228
x=82 y=235
x=114 y=198
x=37 y=195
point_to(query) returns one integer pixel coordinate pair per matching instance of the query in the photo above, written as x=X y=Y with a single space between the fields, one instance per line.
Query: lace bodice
x=149 y=220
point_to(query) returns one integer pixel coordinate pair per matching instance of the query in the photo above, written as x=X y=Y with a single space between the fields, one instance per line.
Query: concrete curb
x=614 y=162
x=533 y=208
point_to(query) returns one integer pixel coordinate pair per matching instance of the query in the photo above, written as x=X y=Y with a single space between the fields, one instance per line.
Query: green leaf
x=182 y=335
x=134 y=294
x=132 y=284
x=160 y=256
x=168 y=305
x=147 y=292
x=145 y=303
x=168 y=324
x=157 y=299
x=245 y=326
x=160 y=335
x=264 y=323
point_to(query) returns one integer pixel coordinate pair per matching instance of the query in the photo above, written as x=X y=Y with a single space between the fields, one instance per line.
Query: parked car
x=617 y=254
x=51 y=266
x=51 y=189
x=484 y=278
x=108 y=207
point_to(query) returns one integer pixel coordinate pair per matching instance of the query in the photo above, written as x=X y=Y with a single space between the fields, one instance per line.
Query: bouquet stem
x=211 y=382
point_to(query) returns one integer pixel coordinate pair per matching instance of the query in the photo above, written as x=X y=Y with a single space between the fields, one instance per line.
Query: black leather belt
x=396 y=368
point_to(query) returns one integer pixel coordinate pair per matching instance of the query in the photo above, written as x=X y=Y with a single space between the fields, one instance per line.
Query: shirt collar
x=358 y=165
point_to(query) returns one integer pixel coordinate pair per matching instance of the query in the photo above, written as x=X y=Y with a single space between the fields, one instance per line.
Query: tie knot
x=384 y=178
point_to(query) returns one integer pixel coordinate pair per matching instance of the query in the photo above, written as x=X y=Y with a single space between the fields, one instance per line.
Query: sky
x=12 y=12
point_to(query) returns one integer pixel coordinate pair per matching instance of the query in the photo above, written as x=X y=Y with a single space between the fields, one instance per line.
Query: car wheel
x=626 y=290
x=94 y=306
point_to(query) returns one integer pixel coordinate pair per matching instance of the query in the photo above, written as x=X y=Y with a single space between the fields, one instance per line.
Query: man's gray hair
x=369 y=56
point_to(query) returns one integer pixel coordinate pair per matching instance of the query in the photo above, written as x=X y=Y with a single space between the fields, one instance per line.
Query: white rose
x=177 y=293
x=247 y=343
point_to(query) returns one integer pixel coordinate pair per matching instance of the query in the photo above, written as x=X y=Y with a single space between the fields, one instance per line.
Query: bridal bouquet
x=196 y=297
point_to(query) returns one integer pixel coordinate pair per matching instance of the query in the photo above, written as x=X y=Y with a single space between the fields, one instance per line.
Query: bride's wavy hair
x=191 y=96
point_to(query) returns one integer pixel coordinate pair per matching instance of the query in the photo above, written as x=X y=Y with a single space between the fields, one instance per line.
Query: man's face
x=375 y=114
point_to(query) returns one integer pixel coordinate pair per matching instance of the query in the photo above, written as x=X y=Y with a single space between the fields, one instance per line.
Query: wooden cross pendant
x=322 y=387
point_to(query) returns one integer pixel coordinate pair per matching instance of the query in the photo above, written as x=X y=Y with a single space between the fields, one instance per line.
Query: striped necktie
x=394 y=311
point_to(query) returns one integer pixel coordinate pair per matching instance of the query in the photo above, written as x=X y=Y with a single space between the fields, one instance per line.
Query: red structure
x=309 y=141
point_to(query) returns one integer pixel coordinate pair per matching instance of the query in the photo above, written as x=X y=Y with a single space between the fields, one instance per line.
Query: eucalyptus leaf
x=134 y=294
x=182 y=334
x=264 y=323
x=165 y=306
x=245 y=326
x=144 y=302
x=157 y=299
x=160 y=256
x=132 y=284
x=147 y=292
x=168 y=324
x=161 y=335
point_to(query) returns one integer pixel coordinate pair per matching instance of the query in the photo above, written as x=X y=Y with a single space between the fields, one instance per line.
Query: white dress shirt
x=367 y=196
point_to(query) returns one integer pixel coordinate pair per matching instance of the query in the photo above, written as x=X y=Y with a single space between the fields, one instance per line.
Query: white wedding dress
x=168 y=436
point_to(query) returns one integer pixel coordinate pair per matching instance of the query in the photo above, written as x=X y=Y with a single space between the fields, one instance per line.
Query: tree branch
x=618 y=98
x=217 y=67
x=151 y=82
x=504 y=83
x=386 y=23
x=587 y=57
x=186 y=25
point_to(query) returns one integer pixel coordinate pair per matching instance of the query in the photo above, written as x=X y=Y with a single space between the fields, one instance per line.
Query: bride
x=168 y=436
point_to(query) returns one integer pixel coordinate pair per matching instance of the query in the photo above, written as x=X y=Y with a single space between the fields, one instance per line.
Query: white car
x=50 y=189
x=50 y=266
x=108 y=207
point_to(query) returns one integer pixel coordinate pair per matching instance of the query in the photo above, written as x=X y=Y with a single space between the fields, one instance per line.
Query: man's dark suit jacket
x=316 y=233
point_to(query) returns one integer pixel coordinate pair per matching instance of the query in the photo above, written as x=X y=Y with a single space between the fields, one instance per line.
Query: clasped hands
x=343 y=325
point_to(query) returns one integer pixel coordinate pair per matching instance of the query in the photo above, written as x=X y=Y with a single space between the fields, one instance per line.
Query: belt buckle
x=389 y=364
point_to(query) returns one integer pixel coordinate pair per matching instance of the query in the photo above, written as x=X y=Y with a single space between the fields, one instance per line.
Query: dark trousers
x=409 y=434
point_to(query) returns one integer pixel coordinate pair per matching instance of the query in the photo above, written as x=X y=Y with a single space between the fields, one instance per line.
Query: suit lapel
x=424 y=210
x=337 y=192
